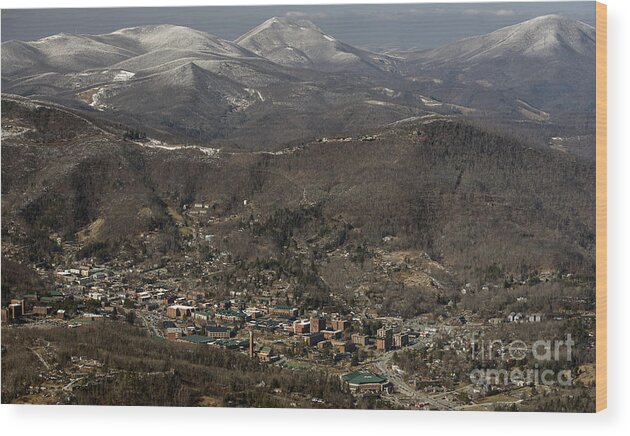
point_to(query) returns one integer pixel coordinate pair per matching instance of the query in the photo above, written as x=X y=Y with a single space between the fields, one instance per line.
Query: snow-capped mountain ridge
x=542 y=37
x=303 y=44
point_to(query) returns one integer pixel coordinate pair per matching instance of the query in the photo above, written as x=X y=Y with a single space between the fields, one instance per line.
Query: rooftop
x=232 y=313
x=363 y=377
x=182 y=307
x=197 y=339
x=211 y=328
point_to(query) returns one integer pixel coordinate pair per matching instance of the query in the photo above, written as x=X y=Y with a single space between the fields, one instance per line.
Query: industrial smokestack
x=251 y=343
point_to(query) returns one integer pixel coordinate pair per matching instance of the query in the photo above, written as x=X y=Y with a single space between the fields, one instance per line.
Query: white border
x=66 y=420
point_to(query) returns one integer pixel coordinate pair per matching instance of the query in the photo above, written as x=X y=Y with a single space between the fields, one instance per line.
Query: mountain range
x=180 y=84
x=306 y=151
x=469 y=198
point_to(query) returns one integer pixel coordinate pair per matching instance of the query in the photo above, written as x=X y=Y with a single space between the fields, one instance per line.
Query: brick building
x=283 y=311
x=179 y=311
x=401 y=340
x=313 y=339
x=384 y=344
x=340 y=324
x=332 y=334
x=317 y=324
x=384 y=332
x=42 y=310
x=218 y=332
x=301 y=327
x=360 y=339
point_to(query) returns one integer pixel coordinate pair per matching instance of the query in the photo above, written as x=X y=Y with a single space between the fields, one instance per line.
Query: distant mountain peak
x=548 y=36
x=552 y=19
x=548 y=17
x=548 y=61
x=153 y=37
x=301 y=43
x=279 y=24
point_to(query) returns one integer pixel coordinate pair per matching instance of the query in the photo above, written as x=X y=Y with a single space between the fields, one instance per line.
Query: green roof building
x=362 y=381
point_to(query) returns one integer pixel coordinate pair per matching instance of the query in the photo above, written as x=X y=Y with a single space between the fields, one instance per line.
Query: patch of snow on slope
x=429 y=101
x=123 y=76
x=52 y=37
x=379 y=103
x=96 y=99
x=13 y=131
x=255 y=91
x=154 y=143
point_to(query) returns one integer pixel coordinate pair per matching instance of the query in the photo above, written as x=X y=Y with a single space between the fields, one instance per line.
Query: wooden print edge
x=601 y=203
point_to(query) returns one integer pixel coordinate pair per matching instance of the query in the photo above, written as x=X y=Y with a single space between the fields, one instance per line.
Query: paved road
x=149 y=321
x=407 y=394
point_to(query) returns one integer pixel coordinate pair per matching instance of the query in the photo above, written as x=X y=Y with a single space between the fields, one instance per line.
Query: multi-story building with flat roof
x=218 y=332
x=317 y=324
x=283 y=311
x=301 y=327
x=360 y=339
x=401 y=340
x=384 y=344
x=340 y=324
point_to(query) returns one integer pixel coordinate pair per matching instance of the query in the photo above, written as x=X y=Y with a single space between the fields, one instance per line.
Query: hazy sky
x=370 y=26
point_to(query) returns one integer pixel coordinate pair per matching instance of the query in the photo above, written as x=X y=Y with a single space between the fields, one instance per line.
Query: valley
x=286 y=207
